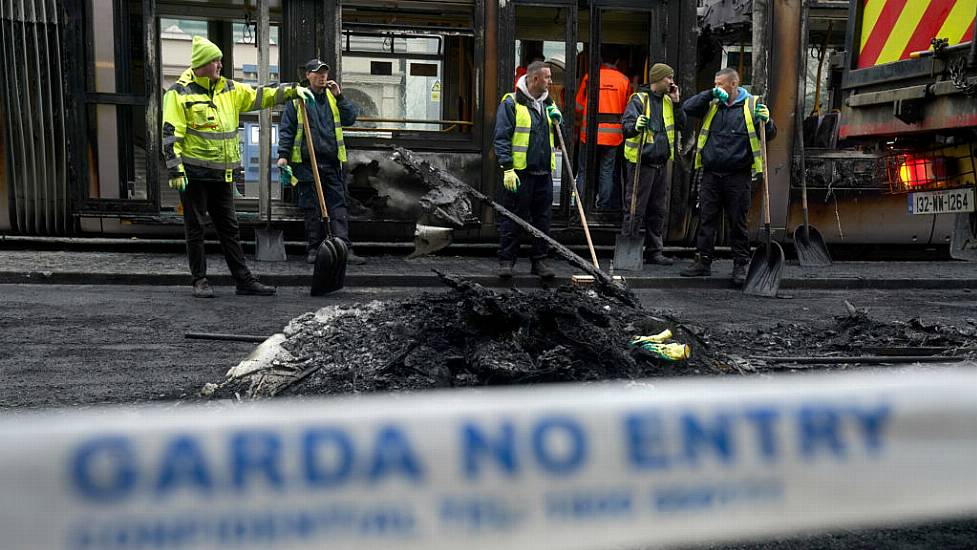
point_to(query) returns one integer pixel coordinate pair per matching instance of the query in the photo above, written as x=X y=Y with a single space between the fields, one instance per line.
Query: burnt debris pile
x=850 y=339
x=468 y=336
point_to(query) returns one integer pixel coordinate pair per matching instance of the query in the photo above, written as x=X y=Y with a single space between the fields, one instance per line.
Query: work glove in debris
x=720 y=94
x=656 y=338
x=306 y=95
x=554 y=113
x=511 y=180
x=641 y=123
x=179 y=183
x=761 y=112
x=286 y=177
x=668 y=352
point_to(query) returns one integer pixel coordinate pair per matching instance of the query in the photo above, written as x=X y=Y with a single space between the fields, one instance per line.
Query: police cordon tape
x=568 y=466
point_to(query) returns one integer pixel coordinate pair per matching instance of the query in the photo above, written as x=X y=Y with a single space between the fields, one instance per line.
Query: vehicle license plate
x=949 y=201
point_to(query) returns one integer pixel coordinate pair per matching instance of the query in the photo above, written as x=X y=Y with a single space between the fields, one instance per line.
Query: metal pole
x=264 y=116
x=761 y=28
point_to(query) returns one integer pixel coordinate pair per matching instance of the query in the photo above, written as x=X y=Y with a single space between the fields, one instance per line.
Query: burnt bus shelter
x=81 y=110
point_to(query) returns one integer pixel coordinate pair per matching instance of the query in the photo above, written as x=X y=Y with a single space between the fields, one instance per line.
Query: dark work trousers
x=335 y=190
x=649 y=214
x=214 y=197
x=732 y=193
x=533 y=202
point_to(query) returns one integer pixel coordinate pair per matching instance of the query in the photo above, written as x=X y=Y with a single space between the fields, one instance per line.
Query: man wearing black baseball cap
x=326 y=120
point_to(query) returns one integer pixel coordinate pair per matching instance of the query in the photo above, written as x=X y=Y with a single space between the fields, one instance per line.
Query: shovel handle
x=637 y=171
x=573 y=189
x=766 y=186
x=309 y=138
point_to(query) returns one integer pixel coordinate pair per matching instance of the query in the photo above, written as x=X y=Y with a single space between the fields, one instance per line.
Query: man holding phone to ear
x=327 y=117
x=655 y=112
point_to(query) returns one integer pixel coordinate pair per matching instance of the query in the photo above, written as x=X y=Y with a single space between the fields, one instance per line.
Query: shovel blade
x=766 y=270
x=330 y=267
x=269 y=245
x=811 y=249
x=629 y=252
x=429 y=239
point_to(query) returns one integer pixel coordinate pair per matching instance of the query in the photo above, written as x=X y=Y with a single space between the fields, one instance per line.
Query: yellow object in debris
x=656 y=338
x=669 y=352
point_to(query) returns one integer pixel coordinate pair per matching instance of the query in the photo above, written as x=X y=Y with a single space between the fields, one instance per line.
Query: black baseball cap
x=315 y=65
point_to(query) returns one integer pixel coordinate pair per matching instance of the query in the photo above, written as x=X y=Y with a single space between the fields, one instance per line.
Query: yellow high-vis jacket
x=200 y=120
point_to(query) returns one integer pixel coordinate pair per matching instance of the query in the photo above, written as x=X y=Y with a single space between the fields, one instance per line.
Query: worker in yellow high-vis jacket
x=203 y=158
x=651 y=121
x=524 y=147
x=728 y=154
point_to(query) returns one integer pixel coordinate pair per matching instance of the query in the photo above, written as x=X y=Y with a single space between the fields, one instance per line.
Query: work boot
x=542 y=270
x=254 y=288
x=505 y=270
x=311 y=255
x=353 y=259
x=739 y=275
x=660 y=259
x=701 y=267
x=201 y=289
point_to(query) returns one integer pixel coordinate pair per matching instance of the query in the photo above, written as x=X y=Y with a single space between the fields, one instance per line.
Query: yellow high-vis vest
x=520 y=135
x=340 y=144
x=748 y=107
x=631 y=152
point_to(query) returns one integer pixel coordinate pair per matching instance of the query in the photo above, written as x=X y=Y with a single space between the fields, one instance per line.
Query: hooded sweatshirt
x=538 y=156
x=728 y=149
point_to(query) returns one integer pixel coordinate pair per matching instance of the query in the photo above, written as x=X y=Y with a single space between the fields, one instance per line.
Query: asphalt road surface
x=78 y=346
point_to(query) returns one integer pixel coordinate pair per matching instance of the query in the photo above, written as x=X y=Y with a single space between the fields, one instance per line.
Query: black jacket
x=728 y=148
x=322 y=125
x=655 y=152
x=538 y=155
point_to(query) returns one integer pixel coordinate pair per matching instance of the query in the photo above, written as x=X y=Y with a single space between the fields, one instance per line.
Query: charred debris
x=472 y=336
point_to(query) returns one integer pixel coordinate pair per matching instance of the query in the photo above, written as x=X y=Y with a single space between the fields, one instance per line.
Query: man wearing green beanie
x=203 y=158
x=650 y=122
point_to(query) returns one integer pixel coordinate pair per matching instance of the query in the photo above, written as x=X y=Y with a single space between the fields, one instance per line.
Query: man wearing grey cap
x=653 y=111
x=327 y=117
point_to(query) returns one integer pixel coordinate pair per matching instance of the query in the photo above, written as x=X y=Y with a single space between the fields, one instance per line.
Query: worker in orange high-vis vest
x=615 y=89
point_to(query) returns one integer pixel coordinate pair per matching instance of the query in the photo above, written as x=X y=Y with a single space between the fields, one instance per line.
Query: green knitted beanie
x=203 y=51
x=658 y=72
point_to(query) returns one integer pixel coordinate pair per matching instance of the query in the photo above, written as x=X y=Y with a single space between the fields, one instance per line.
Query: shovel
x=767 y=264
x=269 y=243
x=811 y=249
x=330 y=259
x=810 y=246
x=629 y=249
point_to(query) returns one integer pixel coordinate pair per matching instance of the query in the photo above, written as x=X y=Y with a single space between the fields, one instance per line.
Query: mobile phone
x=672 y=87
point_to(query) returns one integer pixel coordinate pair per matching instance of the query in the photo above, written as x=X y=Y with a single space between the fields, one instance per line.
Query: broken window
x=413 y=81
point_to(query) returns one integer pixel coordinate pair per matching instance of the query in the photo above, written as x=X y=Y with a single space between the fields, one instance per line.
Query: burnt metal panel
x=30 y=56
x=782 y=98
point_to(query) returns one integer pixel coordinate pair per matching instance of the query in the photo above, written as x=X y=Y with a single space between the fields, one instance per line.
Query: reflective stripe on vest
x=520 y=135
x=748 y=106
x=340 y=144
x=668 y=117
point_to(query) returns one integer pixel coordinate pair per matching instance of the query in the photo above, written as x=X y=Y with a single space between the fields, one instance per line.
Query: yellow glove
x=179 y=183
x=641 y=123
x=511 y=180
x=306 y=95
x=668 y=352
x=656 y=338
x=761 y=112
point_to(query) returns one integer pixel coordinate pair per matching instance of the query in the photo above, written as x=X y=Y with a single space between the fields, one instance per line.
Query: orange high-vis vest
x=615 y=88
